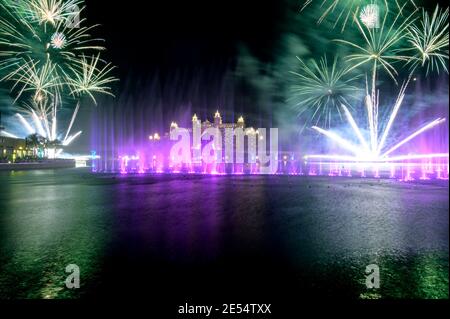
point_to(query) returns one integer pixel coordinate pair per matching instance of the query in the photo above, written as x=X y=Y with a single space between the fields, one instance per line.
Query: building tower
x=217 y=119
x=241 y=122
x=173 y=126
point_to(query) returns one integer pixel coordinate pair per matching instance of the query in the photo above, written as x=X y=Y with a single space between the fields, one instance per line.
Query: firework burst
x=380 y=44
x=43 y=47
x=370 y=16
x=58 y=40
x=321 y=89
x=430 y=39
x=21 y=40
x=41 y=81
x=344 y=10
x=49 y=11
x=383 y=48
x=91 y=78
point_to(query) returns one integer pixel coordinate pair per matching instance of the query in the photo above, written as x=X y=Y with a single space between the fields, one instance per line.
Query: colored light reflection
x=419 y=168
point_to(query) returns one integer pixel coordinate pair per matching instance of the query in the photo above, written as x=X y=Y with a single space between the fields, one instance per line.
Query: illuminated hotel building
x=12 y=149
x=155 y=156
x=218 y=123
x=250 y=142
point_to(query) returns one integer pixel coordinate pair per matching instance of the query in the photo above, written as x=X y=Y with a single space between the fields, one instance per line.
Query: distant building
x=156 y=157
x=12 y=149
x=218 y=123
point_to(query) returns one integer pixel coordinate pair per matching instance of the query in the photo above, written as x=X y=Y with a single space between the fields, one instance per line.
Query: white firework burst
x=370 y=16
x=373 y=148
x=58 y=40
x=51 y=11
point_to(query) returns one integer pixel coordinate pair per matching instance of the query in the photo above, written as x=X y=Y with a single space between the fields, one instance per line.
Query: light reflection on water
x=322 y=231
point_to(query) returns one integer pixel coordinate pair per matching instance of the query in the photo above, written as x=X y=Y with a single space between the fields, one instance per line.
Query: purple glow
x=140 y=154
x=413 y=135
x=403 y=168
x=345 y=158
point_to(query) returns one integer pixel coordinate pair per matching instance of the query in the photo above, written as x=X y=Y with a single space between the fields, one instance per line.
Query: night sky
x=148 y=36
x=164 y=36
x=176 y=58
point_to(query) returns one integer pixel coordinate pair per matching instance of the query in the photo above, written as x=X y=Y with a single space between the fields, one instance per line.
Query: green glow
x=429 y=39
x=342 y=11
x=379 y=44
x=43 y=49
x=321 y=89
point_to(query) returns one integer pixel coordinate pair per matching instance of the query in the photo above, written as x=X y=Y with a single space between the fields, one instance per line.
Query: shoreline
x=48 y=164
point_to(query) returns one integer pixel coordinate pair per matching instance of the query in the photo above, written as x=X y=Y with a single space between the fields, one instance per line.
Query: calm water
x=207 y=237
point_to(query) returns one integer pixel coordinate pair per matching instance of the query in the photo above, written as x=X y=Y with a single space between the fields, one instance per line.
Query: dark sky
x=188 y=48
x=148 y=37
x=152 y=42
x=144 y=36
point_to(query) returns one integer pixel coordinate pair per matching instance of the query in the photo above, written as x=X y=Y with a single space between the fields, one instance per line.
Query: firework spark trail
x=346 y=12
x=31 y=78
x=7 y=134
x=356 y=129
x=413 y=135
x=38 y=124
x=392 y=117
x=370 y=113
x=72 y=120
x=53 y=136
x=25 y=123
x=341 y=141
x=68 y=141
x=47 y=128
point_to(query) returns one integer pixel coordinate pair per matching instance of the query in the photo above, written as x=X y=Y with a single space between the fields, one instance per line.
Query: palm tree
x=33 y=141
x=51 y=147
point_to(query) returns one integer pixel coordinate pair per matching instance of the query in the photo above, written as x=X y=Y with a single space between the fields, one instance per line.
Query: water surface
x=220 y=236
